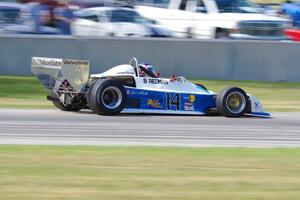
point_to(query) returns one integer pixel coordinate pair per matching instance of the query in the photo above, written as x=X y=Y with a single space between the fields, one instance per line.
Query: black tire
x=107 y=97
x=232 y=102
x=71 y=107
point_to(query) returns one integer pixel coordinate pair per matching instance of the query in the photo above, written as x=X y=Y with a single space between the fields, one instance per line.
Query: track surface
x=57 y=127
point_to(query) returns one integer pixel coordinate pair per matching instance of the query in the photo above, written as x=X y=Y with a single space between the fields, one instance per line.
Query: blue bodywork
x=293 y=11
x=169 y=101
x=164 y=102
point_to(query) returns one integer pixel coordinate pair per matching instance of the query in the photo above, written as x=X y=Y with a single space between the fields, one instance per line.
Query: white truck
x=216 y=19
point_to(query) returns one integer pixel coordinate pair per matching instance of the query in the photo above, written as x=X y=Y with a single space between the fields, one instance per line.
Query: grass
x=27 y=92
x=129 y=173
x=27 y=87
x=22 y=92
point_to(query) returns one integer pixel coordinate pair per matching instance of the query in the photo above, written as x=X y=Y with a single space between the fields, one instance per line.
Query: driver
x=148 y=67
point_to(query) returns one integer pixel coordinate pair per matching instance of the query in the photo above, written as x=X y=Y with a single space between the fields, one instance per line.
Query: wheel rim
x=236 y=102
x=111 y=97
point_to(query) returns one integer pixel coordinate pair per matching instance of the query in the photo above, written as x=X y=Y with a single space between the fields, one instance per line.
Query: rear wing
x=53 y=72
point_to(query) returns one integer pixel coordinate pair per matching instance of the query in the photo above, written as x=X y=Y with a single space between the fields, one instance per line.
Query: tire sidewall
x=222 y=104
x=95 y=94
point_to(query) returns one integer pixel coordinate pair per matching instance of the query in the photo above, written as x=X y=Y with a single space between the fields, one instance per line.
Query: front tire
x=107 y=97
x=232 y=102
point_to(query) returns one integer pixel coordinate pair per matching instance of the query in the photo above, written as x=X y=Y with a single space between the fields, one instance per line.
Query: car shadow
x=88 y=112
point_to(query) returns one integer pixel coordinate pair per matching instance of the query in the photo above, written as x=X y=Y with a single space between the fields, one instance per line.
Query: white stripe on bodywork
x=176 y=112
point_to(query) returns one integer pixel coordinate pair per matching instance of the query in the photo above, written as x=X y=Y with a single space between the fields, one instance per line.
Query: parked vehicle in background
x=239 y=19
x=115 y=21
x=95 y=3
x=293 y=34
x=9 y=13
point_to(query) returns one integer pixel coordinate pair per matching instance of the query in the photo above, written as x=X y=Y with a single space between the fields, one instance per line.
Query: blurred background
x=199 y=39
x=198 y=19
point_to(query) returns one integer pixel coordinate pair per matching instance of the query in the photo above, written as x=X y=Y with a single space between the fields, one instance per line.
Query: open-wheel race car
x=136 y=88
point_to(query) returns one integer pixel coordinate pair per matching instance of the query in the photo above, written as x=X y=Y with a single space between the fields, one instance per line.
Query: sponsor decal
x=188 y=106
x=74 y=62
x=56 y=62
x=155 y=81
x=133 y=92
x=50 y=62
x=125 y=73
x=192 y=98
x=153 y=103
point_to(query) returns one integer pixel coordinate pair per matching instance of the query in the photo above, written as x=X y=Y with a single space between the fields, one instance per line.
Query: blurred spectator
x=36 y=15
x=64 y=17
x=35 y=18
x=293 y=11
x=51 y=5
x=42 y=15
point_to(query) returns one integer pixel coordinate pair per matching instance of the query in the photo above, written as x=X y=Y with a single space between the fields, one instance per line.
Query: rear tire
x=232 y=102
x=107 y=97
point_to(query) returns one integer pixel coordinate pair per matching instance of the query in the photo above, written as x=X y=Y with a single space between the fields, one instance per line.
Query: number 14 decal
x=173 y=100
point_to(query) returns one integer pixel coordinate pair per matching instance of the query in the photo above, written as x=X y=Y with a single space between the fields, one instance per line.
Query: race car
x=136 y=88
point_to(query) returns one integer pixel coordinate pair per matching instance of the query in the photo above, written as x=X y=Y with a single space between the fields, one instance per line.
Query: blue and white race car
x=136 y=88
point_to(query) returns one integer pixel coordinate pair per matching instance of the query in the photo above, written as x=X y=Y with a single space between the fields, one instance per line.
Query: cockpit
x=143 y=69
x=128 y=74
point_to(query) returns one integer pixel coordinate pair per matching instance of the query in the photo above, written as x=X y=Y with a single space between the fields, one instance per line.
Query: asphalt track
x=85 y=128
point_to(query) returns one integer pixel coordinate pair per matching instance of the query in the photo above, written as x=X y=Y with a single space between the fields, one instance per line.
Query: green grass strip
x=151 y=173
